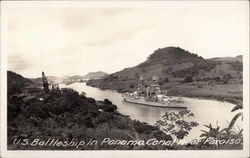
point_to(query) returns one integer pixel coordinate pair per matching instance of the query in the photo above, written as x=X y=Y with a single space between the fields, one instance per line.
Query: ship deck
x=142 y=101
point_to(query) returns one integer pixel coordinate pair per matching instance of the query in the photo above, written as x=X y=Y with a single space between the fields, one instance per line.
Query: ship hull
x=141 y=101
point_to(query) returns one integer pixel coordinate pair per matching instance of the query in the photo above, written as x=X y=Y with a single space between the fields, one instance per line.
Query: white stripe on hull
x=154 y=104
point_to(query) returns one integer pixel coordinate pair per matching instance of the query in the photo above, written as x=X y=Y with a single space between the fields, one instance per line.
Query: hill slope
x=172 y=65
x=16 y=83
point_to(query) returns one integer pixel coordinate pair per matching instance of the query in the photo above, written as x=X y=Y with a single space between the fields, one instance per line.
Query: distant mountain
x=53 y=79
x=171 y=64
x=228 y=59
x=97 y=74
x=70 y=79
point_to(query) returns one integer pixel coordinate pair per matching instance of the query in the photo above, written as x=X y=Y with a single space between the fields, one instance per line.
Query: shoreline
x=227 y=99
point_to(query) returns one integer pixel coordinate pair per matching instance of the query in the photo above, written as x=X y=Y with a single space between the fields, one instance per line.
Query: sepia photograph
x=126 y=78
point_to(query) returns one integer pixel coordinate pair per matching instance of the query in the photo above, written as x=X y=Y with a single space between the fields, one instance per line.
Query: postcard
x=124 y=79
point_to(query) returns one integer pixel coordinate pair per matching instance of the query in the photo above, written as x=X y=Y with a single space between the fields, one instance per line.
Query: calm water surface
x=205 y=111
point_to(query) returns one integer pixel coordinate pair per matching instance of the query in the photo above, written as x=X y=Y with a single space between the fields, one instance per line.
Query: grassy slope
x=217 y=91
x=174 y=64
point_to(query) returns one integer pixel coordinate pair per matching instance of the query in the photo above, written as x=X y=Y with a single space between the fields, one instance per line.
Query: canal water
x=205 y=111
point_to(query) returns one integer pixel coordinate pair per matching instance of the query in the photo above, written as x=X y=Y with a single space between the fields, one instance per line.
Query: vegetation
x=175 y=124
x=228 y=133
x=216 y=78
x=34 y=114
x=64 y=114
x=220 y=137
x=186 y=74
x=239 y=105
x=16 y=83
x=237 y=66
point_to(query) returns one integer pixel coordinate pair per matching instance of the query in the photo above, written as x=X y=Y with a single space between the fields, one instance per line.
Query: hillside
x=14 y=78
x=16 y=83
x=64 y=115
x=97 y=74
x=172 y=65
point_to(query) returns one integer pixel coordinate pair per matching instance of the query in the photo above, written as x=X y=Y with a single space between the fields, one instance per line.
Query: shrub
x=229 y=76
x=90 y=100
x=217 y=79
x=35 y=109
x=166 y=80
x=226 y=78
x=188 y=79
x=142 y=127
x=110 y=108
x=144 y=70
x=107 y=102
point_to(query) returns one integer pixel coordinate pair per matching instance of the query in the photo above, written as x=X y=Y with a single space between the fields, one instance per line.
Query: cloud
x=68 y=41
x=78 y=18
x=17 y=62
x=114 y=37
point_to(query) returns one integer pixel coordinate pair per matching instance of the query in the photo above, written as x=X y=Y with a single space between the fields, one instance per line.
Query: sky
x=76 y=40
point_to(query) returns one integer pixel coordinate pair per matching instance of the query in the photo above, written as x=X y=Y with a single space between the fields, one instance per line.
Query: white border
x=109 y=154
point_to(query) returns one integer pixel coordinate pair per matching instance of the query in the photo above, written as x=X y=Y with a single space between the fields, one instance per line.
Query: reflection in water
x=205 y=111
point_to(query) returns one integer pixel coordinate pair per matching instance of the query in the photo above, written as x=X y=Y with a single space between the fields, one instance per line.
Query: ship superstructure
x=151 y=95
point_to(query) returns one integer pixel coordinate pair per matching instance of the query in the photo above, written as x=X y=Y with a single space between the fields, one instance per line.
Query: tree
x=174 y=124
x=238 y=106
x=213 y=132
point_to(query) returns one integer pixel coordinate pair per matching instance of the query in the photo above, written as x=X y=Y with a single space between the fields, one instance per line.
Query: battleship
x=151 y=95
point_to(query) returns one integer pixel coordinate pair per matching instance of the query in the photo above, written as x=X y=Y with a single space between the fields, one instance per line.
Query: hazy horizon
x=99 y=70
x=66 y=41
